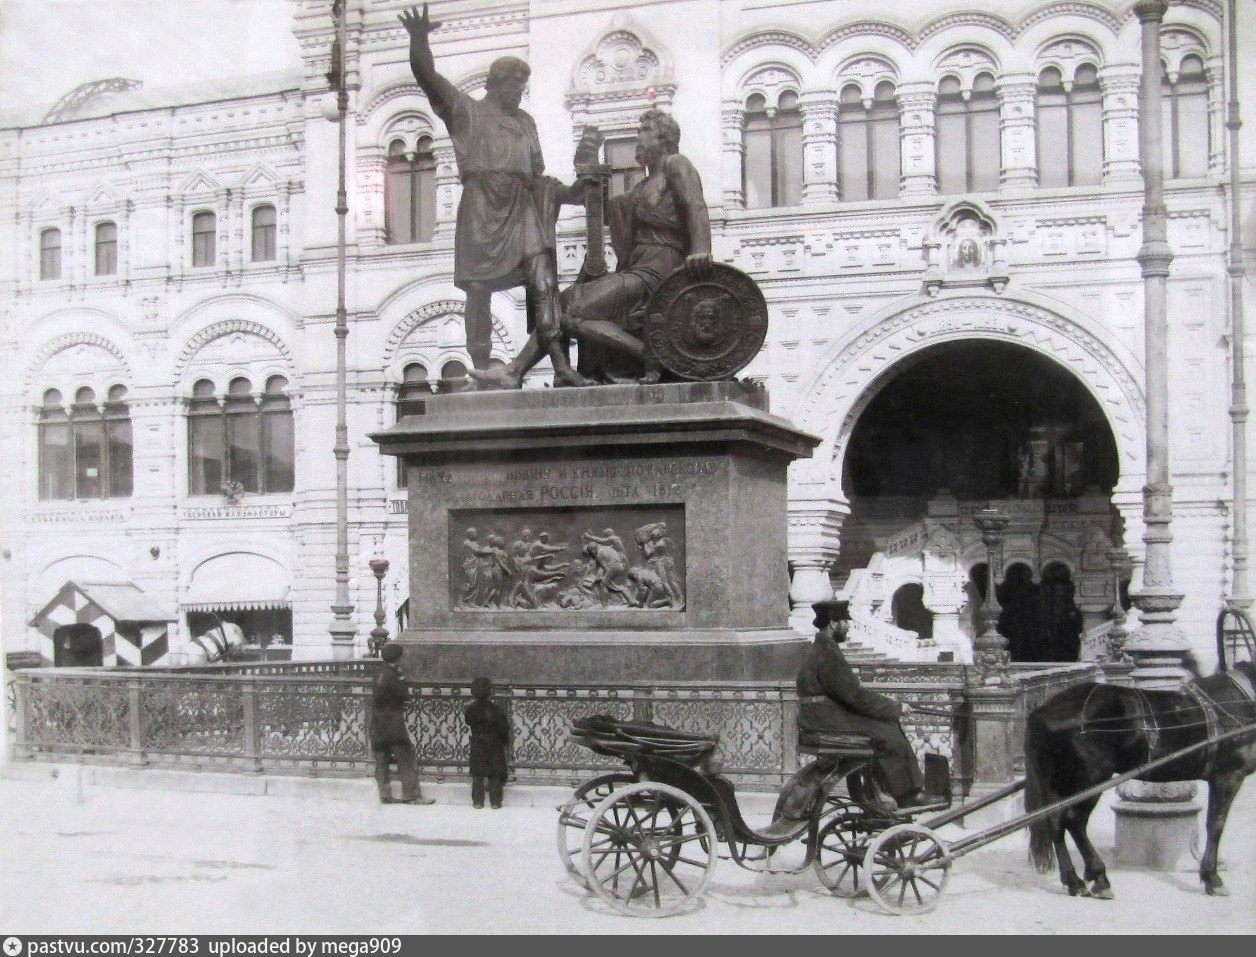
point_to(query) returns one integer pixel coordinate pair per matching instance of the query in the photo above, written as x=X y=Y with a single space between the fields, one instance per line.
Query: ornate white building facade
x=909 y=186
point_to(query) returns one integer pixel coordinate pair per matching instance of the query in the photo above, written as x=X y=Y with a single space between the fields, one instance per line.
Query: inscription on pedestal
x=567 y=558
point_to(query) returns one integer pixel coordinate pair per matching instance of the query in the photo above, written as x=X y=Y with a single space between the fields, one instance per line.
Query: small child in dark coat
x=490 y=743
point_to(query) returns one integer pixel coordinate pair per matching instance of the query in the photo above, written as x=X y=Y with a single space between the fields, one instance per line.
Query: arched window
x=85 y=451
x=411 y=192
x=414 y=389
x=50 y=254
x=1070 y=128
x=868 y=154
x=1185 y=124
x=204 y=239
x=263 y=233
x=772 y=170
x=453 y=369
x=240 y=439
x=106 y=249
x=968 y=148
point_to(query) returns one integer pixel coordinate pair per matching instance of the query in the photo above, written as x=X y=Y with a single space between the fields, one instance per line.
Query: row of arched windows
x=204 y=243
x=85 y=445
x=967 y=136
x=243 y=440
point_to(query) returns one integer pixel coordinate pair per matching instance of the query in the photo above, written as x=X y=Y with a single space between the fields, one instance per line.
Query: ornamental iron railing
x=312 y=718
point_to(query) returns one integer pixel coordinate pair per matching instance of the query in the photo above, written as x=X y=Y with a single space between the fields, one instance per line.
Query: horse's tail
x=1039 y=752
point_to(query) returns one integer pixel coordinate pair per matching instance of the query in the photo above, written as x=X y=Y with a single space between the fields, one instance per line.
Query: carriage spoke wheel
x=906 y=868
x=574 y=816
x=649 y=850
x=841 y=845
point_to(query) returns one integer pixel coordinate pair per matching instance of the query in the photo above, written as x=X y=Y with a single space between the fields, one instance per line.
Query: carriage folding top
x=626 y=740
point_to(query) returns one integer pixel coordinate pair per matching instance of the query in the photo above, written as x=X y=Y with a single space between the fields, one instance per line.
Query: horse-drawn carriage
x=646 y=840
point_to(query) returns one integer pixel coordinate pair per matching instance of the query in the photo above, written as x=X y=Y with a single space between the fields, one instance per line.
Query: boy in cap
x=830 y=698
x=389 y=738
x=490 y=742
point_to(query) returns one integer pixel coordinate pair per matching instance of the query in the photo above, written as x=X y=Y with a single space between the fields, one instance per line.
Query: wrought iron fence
x=314 y=720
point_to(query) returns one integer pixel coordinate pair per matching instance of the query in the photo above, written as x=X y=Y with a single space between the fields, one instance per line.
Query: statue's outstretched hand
x=418 y=24
x=698 y=265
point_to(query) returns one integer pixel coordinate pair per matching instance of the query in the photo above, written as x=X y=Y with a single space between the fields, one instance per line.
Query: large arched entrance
x=956 y=426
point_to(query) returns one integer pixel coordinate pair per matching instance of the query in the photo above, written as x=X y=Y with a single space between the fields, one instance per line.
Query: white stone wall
x=846 y=282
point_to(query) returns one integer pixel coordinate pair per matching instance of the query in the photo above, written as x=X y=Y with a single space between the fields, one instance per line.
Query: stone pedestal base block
x=1156 y=825
x=610 y=534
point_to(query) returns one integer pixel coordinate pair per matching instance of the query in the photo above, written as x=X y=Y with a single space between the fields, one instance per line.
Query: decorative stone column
x=819 y=146
x=1118 y=85
x=814 y=541
x=916 y=102
x=1018 y=129
x=1155 y=822
x=371 y=217
x=732 y=130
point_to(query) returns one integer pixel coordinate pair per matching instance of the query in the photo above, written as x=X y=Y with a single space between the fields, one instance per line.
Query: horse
x=1084 y=735
x=217 y=644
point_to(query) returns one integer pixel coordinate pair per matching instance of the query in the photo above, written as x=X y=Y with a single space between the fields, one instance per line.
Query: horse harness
x=1149 y=721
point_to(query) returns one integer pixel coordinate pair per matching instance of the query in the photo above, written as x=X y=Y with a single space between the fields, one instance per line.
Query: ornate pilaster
x=1017 y=126
x=1119 y=87
x=819 y=146
x=916 y=101
x=814 y=540
x=448 y=189
x=1216 y=117
x=732 y=131
x=371 y=220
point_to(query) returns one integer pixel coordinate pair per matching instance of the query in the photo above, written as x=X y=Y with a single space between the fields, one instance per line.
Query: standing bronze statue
x=504 y=235
x=659 y=225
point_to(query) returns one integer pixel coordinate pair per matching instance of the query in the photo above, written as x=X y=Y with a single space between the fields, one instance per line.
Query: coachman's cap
x=391 y=651
x=829 y=611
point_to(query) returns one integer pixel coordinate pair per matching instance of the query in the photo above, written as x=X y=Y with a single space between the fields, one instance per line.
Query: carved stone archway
x=854 y=370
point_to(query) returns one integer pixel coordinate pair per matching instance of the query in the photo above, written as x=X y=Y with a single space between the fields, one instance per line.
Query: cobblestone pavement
x=91 y=858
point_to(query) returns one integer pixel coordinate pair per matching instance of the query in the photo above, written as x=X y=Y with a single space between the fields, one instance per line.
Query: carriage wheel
x=574 y=816
x=648 y=850
x=841 y=845
x=906 y=868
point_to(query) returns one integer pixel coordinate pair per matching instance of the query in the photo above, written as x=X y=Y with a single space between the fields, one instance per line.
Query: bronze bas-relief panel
x=567 y=559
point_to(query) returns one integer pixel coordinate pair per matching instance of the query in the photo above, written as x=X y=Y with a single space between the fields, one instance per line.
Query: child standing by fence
x=490 y=744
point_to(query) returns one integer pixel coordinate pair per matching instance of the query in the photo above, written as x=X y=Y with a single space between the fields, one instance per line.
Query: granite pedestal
x=599 y=535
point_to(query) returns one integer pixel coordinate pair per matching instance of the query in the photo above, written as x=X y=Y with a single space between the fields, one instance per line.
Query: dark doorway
x=909 y=611
x=78 y=646
x=985 y=422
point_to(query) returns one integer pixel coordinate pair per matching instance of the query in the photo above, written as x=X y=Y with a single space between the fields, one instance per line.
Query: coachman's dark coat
x=851 y=708
x=388 y=708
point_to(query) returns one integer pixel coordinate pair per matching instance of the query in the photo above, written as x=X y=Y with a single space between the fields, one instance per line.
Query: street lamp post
x=1155 y=822
x=990 y=653
x=342 y=632
x=379 y=634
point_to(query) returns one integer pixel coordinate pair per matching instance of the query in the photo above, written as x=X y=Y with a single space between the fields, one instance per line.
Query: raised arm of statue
x=686 y=186
x=439 y=91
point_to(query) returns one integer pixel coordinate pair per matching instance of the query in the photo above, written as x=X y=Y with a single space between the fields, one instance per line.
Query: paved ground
x=325 y=859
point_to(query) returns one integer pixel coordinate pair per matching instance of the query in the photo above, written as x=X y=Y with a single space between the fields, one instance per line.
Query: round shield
x=706 y=329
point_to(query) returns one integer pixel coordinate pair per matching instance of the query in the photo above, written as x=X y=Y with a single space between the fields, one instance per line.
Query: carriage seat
x=835 y=744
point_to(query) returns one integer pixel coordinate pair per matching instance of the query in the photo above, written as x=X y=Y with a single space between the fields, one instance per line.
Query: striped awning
x=240 y=581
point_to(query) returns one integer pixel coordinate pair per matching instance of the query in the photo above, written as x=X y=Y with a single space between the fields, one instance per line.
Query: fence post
x=21 y=690
x=249 y=700
x=789 y=733
x=135 y=715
